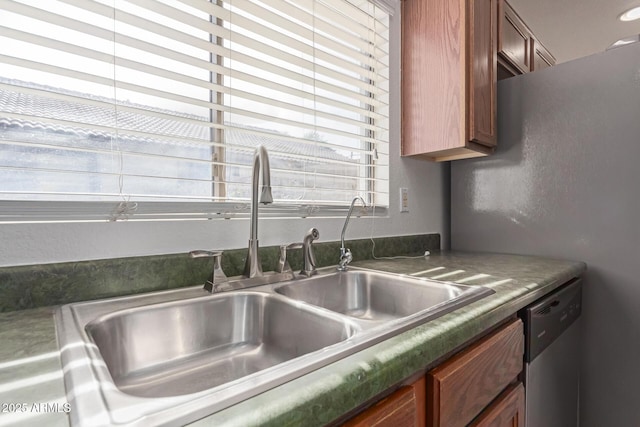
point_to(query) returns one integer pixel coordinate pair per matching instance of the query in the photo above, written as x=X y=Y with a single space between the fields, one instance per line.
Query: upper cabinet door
x=519 y=51
x=514 y=39
x=483 y=17
x=448 y=78
x=541 y=58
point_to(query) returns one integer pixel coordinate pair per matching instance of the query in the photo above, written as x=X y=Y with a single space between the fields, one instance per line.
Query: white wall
x=429 y=213
x=564 y=183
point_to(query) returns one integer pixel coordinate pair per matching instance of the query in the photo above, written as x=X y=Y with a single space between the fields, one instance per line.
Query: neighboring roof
x=28 y=104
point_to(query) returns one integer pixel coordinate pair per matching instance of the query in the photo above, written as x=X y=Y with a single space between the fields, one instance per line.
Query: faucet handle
x=309 y=268
x=283 y=263
x=217 y=275
x=201 y=254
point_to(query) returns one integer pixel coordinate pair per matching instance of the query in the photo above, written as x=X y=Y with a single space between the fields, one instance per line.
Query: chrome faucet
x=345 y=254
x=253 y=267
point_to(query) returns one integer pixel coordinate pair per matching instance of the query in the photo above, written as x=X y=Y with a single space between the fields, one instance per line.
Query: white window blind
x=152 y=109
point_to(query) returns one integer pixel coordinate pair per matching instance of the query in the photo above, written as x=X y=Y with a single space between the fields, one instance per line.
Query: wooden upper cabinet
x=514 y=39
x=449 y=66
x=519 y=51
x=541 y=58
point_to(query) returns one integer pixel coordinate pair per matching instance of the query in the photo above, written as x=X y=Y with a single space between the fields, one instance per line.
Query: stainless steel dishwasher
x=552 y=350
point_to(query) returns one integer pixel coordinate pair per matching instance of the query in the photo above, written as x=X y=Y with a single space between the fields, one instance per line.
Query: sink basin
x=172 y=357
x=371 y=295
x=183 y=347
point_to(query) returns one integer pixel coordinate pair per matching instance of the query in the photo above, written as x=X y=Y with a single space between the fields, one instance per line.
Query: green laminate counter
x=30 y=368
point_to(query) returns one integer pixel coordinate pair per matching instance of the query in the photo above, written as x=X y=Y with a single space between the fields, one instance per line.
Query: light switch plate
x=404 y=199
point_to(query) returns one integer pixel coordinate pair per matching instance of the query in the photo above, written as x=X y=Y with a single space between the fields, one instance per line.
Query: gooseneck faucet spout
x=345 y=254
x=253 y=267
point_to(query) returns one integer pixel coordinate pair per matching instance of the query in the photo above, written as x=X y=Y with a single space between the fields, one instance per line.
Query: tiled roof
x=95 y=115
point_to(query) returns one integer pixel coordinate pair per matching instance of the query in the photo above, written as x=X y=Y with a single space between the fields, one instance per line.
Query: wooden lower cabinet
x=506 y=411
x=462 y=387
x=475 y=387
x=403 y=408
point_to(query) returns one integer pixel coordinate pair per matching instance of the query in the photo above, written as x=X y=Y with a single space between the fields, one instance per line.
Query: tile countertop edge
x=323 y=396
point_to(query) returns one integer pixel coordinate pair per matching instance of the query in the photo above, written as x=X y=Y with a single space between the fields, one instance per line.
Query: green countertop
x=30 y=370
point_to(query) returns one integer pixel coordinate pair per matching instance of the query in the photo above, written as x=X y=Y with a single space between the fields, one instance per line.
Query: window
x=147 y=109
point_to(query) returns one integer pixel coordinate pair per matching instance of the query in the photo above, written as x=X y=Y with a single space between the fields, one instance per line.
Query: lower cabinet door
x=404 y=408
x=459 y=389
x=506 y=411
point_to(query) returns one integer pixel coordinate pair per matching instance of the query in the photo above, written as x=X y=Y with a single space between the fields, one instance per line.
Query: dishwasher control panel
x=546 y=319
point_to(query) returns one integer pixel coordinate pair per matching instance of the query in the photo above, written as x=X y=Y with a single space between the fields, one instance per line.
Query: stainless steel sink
x=172 y=357
x=371 y=295
x=182 y=347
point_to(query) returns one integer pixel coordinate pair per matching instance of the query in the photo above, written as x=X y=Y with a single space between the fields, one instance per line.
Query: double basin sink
x=172 y=357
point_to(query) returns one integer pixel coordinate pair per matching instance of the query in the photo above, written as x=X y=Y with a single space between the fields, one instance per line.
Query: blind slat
x=260 y=46
x=168 y=138
x=137 y=66
x=178 y=56
x=310 y=173
x=32 y=212
x=358 y=48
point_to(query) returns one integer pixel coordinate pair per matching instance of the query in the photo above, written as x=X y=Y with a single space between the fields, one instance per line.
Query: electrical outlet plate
x=404 y=199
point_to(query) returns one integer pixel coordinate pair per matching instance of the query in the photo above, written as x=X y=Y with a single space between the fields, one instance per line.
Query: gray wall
x=565 y=183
